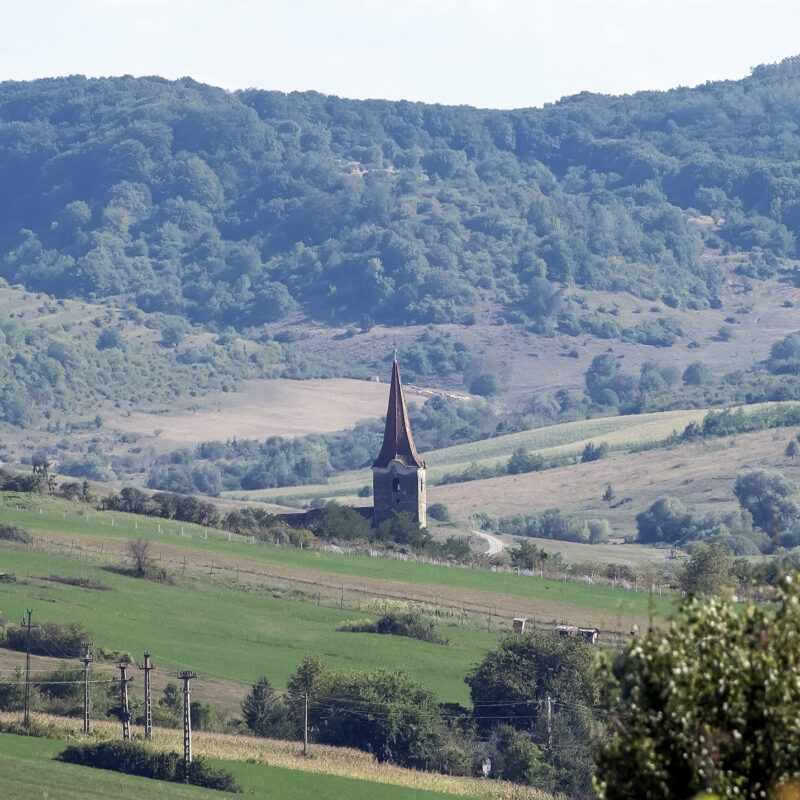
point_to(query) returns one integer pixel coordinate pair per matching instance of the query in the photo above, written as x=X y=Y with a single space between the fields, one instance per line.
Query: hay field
x=265 y=408
x=701 y=474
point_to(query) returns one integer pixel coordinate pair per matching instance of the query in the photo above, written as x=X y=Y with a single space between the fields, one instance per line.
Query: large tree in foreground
x=710 y=705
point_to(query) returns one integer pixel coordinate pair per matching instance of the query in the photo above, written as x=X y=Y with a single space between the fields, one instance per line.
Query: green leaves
x=712 y=705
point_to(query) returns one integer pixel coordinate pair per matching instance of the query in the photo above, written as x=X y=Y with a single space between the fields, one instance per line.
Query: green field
x=579 y=595
x=28 y=772
x=217 y=631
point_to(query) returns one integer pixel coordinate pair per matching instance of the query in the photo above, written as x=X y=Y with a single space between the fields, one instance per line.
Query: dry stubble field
x=701 y=474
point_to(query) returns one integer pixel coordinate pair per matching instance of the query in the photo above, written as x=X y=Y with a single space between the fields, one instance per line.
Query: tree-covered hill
x=236 y=208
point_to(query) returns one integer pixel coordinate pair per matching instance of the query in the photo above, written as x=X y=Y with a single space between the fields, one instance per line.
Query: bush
x=403 y=723
x=341 y=522
x=49 y=638
x=11 y=533
x=397 y=623
x=439 y=511
x=594 y=452
x=133 y=758
x=264 y=712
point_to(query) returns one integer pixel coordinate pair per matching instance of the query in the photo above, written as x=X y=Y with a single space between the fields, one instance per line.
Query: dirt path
x=495 y=545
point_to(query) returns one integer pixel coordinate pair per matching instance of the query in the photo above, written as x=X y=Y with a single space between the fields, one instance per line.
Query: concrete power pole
x=148 y=708
x=86 y=659
x=187 y=716
x=28 y=625
x=549 y=702
x=305 y=727
x=124 y=680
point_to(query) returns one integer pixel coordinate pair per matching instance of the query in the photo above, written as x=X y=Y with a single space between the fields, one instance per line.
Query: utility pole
x=28 y=625
x=187 y=717
x=305 y=728
x=549 y=703
x=124 y=680
x=148 y=709
x=86 y=659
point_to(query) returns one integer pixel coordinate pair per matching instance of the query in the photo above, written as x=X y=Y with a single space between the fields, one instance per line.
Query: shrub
x=264 y=712
x=439 y=511
x=594 y=452
x=341 y=522
x=11 y=533
x=404 y=717
x=133 y=758
x=396 y=623
x=49 y=638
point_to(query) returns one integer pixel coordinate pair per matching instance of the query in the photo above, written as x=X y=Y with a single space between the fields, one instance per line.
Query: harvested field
x=701 y=474
x=266 y=408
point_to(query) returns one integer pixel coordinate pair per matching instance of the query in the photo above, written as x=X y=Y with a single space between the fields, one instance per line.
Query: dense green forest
x=238 y=208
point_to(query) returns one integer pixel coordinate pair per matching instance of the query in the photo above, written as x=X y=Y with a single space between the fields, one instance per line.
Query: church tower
x=398 y=474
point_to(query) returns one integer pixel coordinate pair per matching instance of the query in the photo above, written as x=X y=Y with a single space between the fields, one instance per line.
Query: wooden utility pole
x=124 y=680
x=28 y=625
x=187 y=716
x=148 y=708
x=86 y=659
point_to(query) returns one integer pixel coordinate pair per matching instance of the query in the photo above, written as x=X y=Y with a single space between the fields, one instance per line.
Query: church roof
x=398 y=443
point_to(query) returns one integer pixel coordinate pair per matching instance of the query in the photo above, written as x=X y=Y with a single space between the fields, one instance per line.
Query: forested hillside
x=238 y=208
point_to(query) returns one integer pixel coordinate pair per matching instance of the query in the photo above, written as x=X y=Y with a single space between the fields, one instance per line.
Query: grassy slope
x=27 y=772
x=701 y=474
x=573 y=594
x=238 y=635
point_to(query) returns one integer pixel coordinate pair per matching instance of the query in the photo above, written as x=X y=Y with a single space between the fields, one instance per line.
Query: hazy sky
x=491 y=53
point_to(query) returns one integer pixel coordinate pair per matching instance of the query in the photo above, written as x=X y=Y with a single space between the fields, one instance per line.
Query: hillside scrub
x=230 y=212
x=384 y=713
x=668 y=521
x=242 y=206
x=47 y=639
x=552 y=523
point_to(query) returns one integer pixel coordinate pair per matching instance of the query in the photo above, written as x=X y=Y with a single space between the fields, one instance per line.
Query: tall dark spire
x=398 y=443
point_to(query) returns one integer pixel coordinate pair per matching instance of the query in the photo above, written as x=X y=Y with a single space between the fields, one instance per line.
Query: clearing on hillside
x=264 y=408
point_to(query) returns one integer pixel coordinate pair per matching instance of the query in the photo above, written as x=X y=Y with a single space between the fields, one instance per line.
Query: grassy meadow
x=64 y=520
x=28 y=771
x=237 y=635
